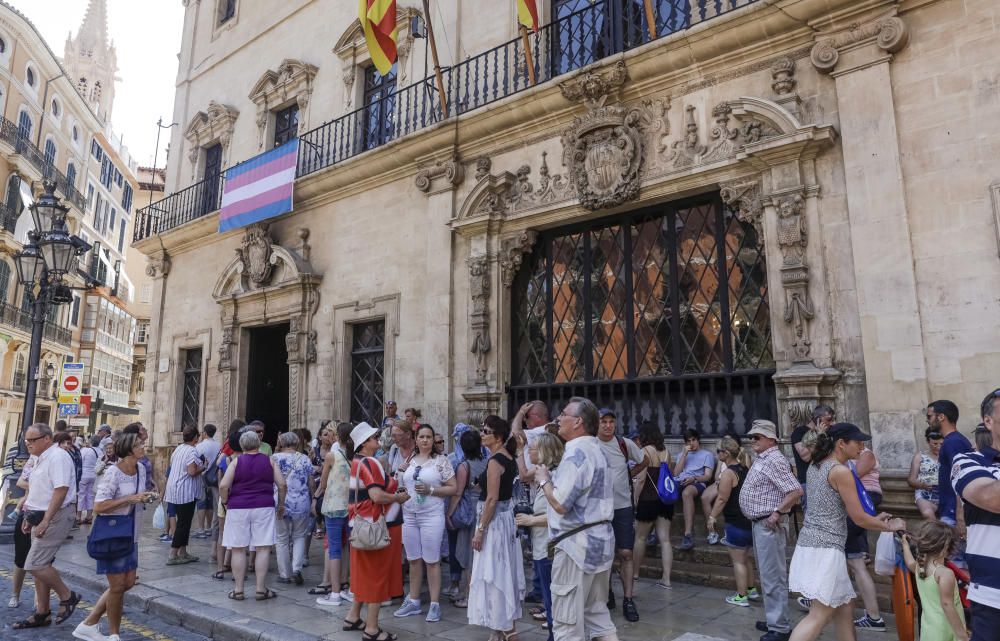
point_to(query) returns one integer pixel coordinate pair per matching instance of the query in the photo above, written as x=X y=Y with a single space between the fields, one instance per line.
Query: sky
x=147 y=37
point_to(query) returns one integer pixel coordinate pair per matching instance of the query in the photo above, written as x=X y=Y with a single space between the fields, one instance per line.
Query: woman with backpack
x=650 y=511
x=461 y=519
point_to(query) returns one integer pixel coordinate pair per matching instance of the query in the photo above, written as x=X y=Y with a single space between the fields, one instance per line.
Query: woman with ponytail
x=819 y=565
x=739 y=529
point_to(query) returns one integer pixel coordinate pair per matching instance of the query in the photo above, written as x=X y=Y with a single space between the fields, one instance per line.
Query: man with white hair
x=50 y=511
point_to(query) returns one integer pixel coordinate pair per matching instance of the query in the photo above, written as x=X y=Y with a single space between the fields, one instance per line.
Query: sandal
x=321 y=590
x=509 y=636
x=460 y=603
x=67 y=607
x=355 y=625
x=539 y=616
x=268 y=593
x=36 y=620
x=381 y=635
x=220 y=575
x=236 y=596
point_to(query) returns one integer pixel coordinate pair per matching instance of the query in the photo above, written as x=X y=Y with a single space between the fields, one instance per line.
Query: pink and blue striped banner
x=260 y=188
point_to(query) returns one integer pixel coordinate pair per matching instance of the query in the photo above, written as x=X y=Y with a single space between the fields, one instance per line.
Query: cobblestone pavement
x=187 y=595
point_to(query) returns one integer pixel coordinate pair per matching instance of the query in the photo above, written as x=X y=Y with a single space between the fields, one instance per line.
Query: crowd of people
x=390 y=505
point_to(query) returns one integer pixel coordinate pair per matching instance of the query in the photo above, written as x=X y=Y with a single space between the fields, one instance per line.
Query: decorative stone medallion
x=603 y=152
x=255 y=254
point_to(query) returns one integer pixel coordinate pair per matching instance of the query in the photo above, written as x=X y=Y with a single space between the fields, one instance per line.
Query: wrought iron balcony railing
x=14 y=316
x=14 y=136
x=568 y=43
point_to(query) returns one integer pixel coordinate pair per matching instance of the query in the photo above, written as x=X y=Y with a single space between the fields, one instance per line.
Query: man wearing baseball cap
x=769 y=492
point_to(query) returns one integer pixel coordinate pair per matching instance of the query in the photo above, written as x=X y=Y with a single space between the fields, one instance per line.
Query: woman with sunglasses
x=429 y=479
x=496 y=587
x=923 y=477
x=818 y=569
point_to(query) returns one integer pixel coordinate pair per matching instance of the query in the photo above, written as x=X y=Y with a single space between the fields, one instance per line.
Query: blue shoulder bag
x=666 y=485
x=866 y=501
x=113 y=535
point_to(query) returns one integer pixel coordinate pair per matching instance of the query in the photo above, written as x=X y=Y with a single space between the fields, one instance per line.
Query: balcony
x=10 y=134
x=573 y=41
x=13 y=316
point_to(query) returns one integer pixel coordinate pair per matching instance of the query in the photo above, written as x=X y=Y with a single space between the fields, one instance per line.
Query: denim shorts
x=737 y=537
x=171 y=510
x=623 y=524
x=336 y=536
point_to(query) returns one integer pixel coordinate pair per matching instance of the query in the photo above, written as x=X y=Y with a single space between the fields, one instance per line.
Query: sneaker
x=434 y=613
x=176 y=560
x=14 y=602
x=868 y=623
x=771 y=635
x=713 y=538
x=189 y=558
x=330 y=600
x=88 y=632
x=408 y=609
x=804 y=603
x=628 y=608
x=166 y=538
x=611 y=600
x=686 y=542
x=738 y=599
x=753 y=594
x=347 y=595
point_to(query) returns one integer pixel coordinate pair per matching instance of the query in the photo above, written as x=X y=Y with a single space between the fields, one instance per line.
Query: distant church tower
x=91 y=62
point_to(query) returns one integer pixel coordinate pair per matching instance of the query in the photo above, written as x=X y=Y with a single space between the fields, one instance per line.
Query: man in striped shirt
x=976 y=479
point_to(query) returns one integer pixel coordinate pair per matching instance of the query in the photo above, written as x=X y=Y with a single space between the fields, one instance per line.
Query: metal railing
x=711 y=403
x=14 y=316
x=568 y=43
x=9 y=215
x=14 y=136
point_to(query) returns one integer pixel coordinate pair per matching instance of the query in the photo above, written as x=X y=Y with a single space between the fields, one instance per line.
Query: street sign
x=68 y=409
x=84 y=403
x=71 y=383
x=78 y=421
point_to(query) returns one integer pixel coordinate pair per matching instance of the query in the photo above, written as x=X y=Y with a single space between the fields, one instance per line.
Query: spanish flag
x=378 y=18
x=527 y=14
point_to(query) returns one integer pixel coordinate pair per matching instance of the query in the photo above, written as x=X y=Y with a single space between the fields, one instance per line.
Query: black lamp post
x=41 y=266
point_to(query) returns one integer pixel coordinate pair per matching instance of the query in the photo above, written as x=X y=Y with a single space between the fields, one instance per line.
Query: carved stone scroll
x=688 y=150
x=889 y=34
x=512 y=253
x=450 y=170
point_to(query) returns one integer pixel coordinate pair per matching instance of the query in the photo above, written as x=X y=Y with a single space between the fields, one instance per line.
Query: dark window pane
x=748 y=309
x=698 y=290
x=367 y=372
x=378 y=118
x=191 y=403
x=286 y=125
x=608 y=303
x=652 y=294
x=531 y=323
x=568 y=308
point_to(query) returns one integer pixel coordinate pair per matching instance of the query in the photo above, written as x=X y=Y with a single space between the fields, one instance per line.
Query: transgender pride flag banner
x=260 y=188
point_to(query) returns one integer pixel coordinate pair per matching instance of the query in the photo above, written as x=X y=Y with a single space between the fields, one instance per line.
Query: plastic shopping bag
x=885 y=554
x=160 y=518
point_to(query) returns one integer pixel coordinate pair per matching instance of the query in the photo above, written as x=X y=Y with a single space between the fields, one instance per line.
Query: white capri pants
x=422 y=532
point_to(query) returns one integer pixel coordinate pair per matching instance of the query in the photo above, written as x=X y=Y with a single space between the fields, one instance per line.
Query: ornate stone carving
x=889 y=33
x=215 y=124
x=311 y=347
x=256 y=255
x=728 y=141
x=783 y=76
x=745 y=198
x=450 y=170
x=349 y=72
x=799 y=411
x=479 y=318
x=158 y=267
x=603 y=152
x=305 y=250
x=512 y=253
x=592 y=87
x=483 y=166
x=291 y=81
x=686 y=152
x=292 y=338
x=226 y=349
x=792 y=241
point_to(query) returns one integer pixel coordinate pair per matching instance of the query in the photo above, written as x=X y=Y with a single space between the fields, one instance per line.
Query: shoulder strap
x=622 y=447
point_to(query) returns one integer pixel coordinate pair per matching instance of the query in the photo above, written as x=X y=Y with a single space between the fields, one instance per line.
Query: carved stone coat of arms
x=603 y=151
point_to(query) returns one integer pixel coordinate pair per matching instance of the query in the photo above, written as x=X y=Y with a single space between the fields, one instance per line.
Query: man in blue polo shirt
x=976 y=479
x=943 y=417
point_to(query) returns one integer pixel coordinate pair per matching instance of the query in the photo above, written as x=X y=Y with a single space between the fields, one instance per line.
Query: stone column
x=439 y=183
x=895 y=364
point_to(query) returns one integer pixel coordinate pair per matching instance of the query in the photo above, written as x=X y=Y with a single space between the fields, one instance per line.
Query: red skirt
x=377 y=575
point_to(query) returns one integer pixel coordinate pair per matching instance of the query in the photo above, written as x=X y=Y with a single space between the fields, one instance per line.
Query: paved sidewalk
x=189 y=596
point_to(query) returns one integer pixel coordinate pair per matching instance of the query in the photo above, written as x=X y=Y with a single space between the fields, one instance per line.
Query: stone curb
x=210 y=621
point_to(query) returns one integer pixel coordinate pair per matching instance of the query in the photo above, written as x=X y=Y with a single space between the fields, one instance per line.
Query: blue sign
x=69 y=409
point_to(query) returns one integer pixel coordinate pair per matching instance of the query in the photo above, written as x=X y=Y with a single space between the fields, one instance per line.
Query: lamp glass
x=47 y=213
x=58 y=251
x=30 y=265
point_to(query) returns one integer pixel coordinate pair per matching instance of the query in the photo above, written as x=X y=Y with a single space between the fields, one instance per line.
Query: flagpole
x=650 y=19
x=434 y=55
x=528 y=60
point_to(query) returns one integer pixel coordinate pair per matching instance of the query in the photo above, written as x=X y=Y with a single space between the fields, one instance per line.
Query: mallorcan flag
x=378 y=18
x=527 y=14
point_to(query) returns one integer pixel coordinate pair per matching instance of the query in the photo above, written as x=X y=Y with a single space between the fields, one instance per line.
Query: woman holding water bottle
x=429 y=480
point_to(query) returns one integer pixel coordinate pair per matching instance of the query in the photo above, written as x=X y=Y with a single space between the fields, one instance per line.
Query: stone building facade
x=740 y=210
x=48 y=130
